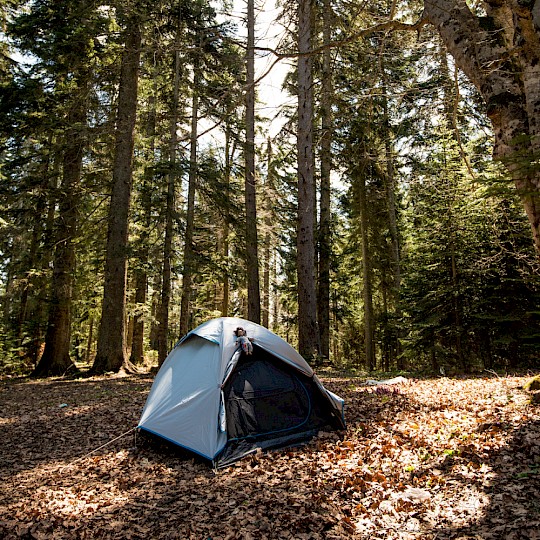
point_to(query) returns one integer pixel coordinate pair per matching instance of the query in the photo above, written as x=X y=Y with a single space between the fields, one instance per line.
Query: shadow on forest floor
x=441 y=459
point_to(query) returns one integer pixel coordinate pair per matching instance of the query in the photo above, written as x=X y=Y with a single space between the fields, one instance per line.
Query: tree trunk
x=500 y=54
x=189 y=253
x=308 y=337
x=56 y=358
x=225 y=229
x=395 y=255
x=252 y=258
x=154 y=309
x=325 y=233
x=111 y=347
x=449 y=176
x=141 y=274
x=369 y=323
x=268 y=221
x=163 y=315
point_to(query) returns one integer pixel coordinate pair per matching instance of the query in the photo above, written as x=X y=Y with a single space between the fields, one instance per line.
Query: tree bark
x=308 y=337
x=111 y=348
x=252 y=258
x=500 y=54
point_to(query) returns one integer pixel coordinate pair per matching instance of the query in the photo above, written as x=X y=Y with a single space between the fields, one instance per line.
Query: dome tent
x=212 y=399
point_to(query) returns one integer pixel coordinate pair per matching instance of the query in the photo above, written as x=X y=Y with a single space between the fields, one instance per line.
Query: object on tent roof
x=212 y=399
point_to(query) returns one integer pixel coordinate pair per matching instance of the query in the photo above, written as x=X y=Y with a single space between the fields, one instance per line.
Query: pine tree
x=308 y=337
x=111 y=348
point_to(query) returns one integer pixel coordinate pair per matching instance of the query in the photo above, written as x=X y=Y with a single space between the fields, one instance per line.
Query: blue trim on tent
x=281 y=430
x=181 y=445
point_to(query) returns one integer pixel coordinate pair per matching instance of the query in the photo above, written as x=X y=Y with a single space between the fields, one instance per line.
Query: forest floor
x=442 y=459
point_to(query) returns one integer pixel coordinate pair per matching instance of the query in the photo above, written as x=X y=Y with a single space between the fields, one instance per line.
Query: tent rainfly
x=213 y=399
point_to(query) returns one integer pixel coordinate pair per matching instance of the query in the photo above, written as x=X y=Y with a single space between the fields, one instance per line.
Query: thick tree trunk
x=500 y=54
x=189 y=253
x=111 y=347
x=252 y=258
x=308 y=337
x=325 y=233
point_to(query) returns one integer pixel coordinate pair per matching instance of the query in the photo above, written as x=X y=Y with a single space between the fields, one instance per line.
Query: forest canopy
x=392 y=222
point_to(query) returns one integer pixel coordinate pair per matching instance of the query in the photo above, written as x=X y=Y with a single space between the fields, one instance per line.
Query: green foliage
x=467 y=292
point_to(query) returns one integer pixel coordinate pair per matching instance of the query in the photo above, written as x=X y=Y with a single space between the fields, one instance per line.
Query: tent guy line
x=80 y=458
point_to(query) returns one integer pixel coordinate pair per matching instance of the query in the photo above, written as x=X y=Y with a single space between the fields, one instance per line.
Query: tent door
x=262 y=399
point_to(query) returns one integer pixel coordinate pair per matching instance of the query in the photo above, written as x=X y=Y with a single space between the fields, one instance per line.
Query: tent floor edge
x=237 y=450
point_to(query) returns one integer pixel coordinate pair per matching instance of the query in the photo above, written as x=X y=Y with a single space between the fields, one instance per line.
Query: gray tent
x=213 y=399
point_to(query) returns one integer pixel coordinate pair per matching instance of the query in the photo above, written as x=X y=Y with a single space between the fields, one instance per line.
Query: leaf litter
x=437 y=459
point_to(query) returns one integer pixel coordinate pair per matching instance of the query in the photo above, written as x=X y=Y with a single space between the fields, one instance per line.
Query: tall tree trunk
x=137 y=343
x=308 y=337
x=395 y=254
x=500 y=54
x=163 y=315
x=56 y=358
x=40 y=312
x=89 y=341
x=225 y=229
x=267 y=236
x=449 y=105
x=275 y=303
x=189 y=253
x=252 y=258
x=141 y=274
x=369 y=322
x=325 y=232
x=111 y=347
x=154 y=309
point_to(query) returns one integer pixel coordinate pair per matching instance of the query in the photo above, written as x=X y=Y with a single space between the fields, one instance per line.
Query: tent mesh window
x=263 y=399
x=268 y=403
